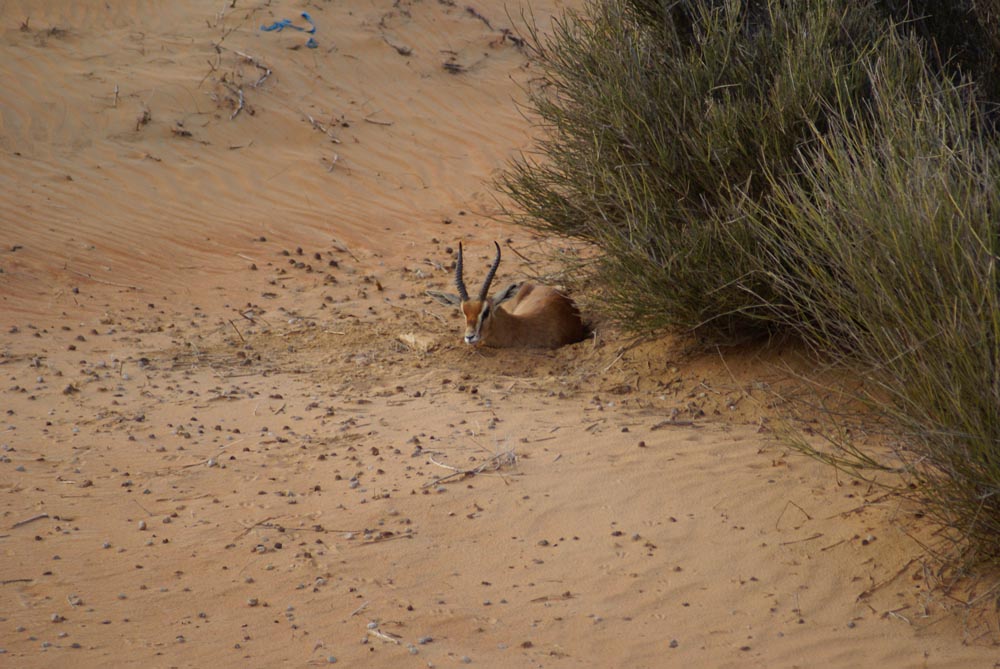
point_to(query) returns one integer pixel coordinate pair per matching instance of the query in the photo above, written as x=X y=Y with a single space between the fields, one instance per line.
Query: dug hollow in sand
x=521 y=315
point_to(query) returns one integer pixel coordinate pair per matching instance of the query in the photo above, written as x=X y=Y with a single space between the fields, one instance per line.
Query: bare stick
x=385 y=637
x=314 y=528
x=316 y=124
x=256 y=63
x=674 y=423
x=798 y=541
x=808 y=517
x=625 y=349
x=16 y=580
x=239 y=107
x=401 y=49
x=782 y=514
x=862 y=507
x=28 y=520
x=826 y=548
x=878 y=586
x=391 y=537
x=359 y=609
x=341 y=246
x=895 y=614
x=377 y=122
x=237 y=331
x=257 y=524
x=145 y=510
x=495 y=463
x=94 y=278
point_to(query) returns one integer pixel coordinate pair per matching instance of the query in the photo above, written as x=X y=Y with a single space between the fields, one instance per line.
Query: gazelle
x=522 y=314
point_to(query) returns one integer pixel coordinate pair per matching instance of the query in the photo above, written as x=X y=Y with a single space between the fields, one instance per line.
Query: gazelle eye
x=486 y=312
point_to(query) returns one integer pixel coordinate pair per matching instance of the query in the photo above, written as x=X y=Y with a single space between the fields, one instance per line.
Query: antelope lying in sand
x=522 y=314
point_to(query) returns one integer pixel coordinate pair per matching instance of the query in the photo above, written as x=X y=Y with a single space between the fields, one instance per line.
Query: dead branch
x=493 y=464
x=21 y=523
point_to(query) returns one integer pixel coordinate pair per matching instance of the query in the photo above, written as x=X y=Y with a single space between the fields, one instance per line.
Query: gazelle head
x=478 y=312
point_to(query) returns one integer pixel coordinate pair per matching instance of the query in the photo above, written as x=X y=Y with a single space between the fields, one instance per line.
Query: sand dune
x=235 y=432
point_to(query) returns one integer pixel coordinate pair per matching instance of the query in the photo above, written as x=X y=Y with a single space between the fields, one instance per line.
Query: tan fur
x=536 y=317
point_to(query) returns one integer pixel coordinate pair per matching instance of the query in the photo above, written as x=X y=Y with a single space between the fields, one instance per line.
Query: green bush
x=660 y=122
x=821 y=167
x=961 y=37
x=886 y=249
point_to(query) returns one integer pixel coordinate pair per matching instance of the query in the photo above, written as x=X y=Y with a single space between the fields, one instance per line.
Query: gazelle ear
x=447 y=299
x=507 y=293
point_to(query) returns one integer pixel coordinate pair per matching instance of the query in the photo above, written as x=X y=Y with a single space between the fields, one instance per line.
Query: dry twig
x=21 y=523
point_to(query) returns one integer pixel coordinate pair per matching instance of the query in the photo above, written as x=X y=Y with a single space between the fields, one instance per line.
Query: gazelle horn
x=490 y=274
x=459 y=280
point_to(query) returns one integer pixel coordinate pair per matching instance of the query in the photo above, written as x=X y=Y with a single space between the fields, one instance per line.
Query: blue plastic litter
x=278 y=26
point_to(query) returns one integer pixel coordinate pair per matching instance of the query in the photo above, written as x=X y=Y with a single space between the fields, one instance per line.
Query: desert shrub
x=886 y=249
x=761 y=166
x=659 y=122
x=959 y=37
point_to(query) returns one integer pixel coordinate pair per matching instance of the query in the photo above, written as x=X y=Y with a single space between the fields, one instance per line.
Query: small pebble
x=424 y=640
x=142 y=525
x=331 y=660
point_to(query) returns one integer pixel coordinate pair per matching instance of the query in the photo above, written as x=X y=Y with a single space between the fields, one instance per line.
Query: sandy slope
x=217 y=451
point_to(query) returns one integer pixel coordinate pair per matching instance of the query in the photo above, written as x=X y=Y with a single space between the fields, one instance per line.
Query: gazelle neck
x=505 y=329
